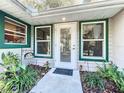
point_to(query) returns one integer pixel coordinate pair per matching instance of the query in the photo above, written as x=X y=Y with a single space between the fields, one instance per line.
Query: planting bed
x=109 y=85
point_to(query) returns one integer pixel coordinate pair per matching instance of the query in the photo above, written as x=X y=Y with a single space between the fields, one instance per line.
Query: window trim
x=105 y=45
x=2 y=40
x=18 y=25
x=38 y=55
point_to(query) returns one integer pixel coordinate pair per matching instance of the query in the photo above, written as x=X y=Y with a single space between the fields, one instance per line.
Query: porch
x=80 y=37
x=103 y=13
x=58 y=83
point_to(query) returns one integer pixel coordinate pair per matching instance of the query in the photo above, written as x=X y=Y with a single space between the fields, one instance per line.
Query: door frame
x=73 y=28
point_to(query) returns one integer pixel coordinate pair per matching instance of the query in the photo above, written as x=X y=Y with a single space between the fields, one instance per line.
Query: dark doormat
x=61 y=71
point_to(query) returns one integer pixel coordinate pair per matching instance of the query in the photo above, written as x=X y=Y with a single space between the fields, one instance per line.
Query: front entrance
x=65 y=46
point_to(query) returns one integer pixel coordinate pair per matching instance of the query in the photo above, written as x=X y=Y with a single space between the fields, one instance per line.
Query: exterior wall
x=118 y=39
x=22 y=51
x=116 y=47
x=87 y=65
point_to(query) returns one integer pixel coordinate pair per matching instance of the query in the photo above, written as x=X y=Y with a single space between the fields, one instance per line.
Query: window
x=15 y=32
x=43 y=41
x=93 y=40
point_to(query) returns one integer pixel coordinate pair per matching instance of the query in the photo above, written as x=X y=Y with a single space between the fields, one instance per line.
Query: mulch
x=110 y=86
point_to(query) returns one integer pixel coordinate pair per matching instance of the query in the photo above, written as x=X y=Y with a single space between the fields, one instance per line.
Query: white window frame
x=17 y=32
x=103 y=40
x=36 y=41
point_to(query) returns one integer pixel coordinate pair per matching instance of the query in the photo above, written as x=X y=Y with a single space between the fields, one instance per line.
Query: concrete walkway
x=56 y=83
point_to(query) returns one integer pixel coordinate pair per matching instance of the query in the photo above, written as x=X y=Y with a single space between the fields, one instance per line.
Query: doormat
x=61 y=71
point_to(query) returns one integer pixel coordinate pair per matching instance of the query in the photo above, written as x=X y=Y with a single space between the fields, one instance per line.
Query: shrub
x=17 y=77
x=10 y=59
x=93 y=80
x=111 y=72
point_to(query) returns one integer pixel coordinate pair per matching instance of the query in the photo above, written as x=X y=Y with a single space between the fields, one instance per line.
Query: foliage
x=10 y=59
x=46 y=66
x=45 y=4
x=41 y=70
x=17 y=77
x=112 y=72
x=93 y=80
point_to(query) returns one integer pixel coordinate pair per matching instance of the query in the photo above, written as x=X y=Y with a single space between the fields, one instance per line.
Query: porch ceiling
x=99 y=10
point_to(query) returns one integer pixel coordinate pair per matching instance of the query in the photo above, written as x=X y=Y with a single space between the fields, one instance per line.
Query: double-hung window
x=93 y=40
x=43 y=40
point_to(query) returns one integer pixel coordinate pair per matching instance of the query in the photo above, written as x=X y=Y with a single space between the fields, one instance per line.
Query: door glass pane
x=65 y=41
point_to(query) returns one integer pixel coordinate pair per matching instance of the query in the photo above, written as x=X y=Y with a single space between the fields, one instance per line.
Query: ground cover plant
x=17 y=78
x=107 y=79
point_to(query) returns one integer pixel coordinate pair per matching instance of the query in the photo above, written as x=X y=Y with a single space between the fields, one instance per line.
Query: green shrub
x=111 y=72
x=93 y=80
x=10 y=59
x=17 y=77
x=20 y=82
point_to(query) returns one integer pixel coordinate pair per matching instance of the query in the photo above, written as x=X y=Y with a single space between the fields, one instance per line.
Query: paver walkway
x=56 y=83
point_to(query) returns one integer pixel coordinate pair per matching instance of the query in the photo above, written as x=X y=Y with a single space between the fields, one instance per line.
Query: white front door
x=66 y=45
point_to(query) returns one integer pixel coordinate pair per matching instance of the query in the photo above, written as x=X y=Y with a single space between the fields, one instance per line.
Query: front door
x=66 y=45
